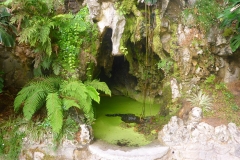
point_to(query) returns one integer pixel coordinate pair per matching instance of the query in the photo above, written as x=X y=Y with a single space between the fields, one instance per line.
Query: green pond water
x=111 y=129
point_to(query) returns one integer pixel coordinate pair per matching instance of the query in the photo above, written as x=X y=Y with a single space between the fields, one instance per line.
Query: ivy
x=75 y=33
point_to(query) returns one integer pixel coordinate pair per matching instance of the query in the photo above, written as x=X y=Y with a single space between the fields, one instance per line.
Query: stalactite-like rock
x=112 y=19
x=108 y=17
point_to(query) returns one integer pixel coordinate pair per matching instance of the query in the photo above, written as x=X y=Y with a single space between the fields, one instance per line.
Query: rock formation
x=194 y=139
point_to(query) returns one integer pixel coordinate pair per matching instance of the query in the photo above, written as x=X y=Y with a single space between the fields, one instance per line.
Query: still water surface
x=112 y=129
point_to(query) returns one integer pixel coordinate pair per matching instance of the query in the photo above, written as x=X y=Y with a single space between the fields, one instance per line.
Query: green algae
x=111 y=129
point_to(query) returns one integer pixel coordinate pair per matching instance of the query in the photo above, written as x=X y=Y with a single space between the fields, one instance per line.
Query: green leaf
x=92 y=92
x=101 y=86
x=75 y=89
x=22 y=96
x=235 y=42
x=6 y=39
x=56 y=68
x=68 y=103
x=33 y=103
x=88 y=110
x=48 y=85
x=55 y=112
x=46 y=63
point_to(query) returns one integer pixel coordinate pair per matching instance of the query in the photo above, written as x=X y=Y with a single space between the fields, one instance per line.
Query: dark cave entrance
x=113 y=70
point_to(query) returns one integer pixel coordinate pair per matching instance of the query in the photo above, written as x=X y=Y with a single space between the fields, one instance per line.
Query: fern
x=92 y=92
x=22 y=96
x=88 y=110
x=48 y=85
x=37 y=33
x=75 y=89
x=55 y=112
x=34 y=103
x=78 y=92
x=56 y=68
x=101 y=86
x=59 y=96
x=68 y=103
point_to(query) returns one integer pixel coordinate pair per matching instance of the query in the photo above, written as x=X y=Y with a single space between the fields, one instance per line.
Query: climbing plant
x=230 y=19
x=76 y=34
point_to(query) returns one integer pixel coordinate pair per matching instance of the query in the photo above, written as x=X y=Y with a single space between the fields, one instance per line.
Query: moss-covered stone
x=157 y=44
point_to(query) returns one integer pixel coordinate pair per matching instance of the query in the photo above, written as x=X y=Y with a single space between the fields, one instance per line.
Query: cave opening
x=113 y=70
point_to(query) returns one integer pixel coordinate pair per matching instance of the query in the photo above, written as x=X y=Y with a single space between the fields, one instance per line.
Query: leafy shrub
x=230 y=19
x=7 y=30
x=59 y=96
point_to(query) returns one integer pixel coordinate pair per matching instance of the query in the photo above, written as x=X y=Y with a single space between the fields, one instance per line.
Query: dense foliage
x=58 y=40
x=7 y=30
x=230 y=21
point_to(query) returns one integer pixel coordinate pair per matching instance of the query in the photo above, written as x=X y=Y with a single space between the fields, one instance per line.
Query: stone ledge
x=104 y=151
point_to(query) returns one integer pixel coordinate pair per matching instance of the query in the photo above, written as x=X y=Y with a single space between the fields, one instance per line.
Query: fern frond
x=46 y=63
x=54 y=82
x=75 y=89
x=34 y=102
x=56 y=68
x=88 y=110
x=44 y=31
x=48 y=47
x=48 y=85
x=101 y=86
x=55 y=111
x=22 y=96
x=92 y=92
x=68 y=103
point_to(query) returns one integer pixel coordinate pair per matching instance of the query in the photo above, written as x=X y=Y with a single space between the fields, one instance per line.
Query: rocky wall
x=179 y=52
x=194 y=139
x=17 y=65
